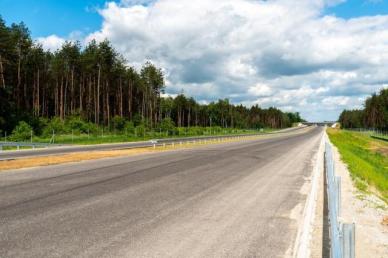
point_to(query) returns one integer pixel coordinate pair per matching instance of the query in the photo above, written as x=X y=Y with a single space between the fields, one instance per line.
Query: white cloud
x=280 y=52
x=336 y=101
x=52 y=42
x=260 y=90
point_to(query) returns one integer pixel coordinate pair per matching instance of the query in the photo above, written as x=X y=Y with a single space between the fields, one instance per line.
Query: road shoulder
x=305 y=241
x=366 y=210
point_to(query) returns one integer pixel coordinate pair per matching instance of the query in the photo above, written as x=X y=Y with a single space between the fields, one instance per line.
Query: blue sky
x=62 y=17
x=297 y=55
x=358 y=8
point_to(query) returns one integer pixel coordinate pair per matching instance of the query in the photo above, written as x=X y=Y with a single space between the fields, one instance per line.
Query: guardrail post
x=1 y=147
x=338 y=188
x=348 y=240
x=17 y=147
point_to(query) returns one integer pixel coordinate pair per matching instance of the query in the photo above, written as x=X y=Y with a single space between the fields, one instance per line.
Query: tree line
x=373 y=115
x=94 y=84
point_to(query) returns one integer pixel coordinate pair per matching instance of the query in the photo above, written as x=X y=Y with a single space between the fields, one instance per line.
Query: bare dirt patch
x=66 y=158
x=382 y=150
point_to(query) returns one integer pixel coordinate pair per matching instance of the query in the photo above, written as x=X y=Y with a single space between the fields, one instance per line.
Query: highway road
x=239 y=199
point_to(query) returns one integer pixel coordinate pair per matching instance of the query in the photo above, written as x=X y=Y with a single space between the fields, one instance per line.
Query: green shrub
x=118 y=123
x=76 y=124
x=217 y=129
x=129 y=127
x=167 y=125
x=38 y=124
x=140 y=130
x=137 y=119
x=196 y=130
x=91 y=128
x=22 y=132
x=182 y=131
x=55 y=125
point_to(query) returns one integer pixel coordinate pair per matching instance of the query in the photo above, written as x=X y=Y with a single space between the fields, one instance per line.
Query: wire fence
x=370 y=131
x=342 y=235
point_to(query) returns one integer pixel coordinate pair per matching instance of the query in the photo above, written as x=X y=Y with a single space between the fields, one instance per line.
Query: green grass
x=379 y=136
x=367 y=159
x=9 y=148
x=85 y=139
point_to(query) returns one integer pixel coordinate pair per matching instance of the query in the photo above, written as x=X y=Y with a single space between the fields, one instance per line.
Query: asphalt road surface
x=226 y=200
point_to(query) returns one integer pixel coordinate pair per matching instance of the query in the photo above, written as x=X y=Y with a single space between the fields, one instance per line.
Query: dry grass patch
x=66 y=158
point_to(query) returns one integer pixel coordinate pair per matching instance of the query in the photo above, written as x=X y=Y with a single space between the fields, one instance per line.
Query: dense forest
x=374 y=115
x=94 y=84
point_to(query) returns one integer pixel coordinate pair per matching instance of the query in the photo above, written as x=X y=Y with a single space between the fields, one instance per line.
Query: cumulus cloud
x=277 y=52
x=260 y=90
x=52 y=42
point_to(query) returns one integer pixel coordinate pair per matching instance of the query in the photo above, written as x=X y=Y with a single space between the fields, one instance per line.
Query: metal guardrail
x=49 y=150
x=149 y=143
x=342 y=235
x=23 y=144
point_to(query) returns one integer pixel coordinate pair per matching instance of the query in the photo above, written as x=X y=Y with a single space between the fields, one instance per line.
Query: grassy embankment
x=111 y=137
x=367 y=159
